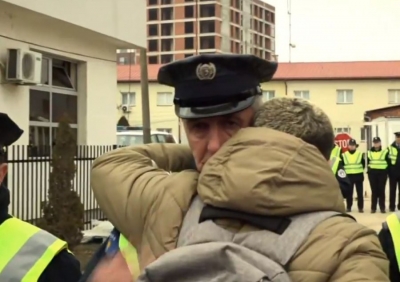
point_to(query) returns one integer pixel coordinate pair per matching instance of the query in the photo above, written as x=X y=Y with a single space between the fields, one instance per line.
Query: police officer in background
x=354 y=165
x=28 y=254
x=394 y=173
x=341 y=176
x=378 y=161
x=389 y=236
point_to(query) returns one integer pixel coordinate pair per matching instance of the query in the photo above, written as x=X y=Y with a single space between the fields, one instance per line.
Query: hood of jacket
x=266 y=172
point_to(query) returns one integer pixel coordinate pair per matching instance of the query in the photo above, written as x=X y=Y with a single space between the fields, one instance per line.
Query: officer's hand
x=112 y=269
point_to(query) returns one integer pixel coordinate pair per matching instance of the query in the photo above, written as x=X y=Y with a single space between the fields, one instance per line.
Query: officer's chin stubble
x=207 y=135
x=3 y=172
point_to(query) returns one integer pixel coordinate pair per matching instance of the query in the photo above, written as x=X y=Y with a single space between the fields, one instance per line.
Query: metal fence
x=28 y=180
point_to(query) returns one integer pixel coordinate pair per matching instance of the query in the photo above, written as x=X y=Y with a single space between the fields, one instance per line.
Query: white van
x=135 y=137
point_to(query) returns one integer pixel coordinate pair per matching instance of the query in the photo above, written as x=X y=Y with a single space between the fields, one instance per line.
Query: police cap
x=397 y=134
x=9 y=131
x=215 y=84
x=353 y=142
x=376 y=140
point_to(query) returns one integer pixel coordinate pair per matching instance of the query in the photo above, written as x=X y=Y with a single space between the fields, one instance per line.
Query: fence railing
x=28 y=180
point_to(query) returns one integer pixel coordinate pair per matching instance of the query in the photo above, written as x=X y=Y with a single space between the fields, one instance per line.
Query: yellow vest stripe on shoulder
x=130 y=255
x=28 y=251
x=335 y=164
x=394 y=228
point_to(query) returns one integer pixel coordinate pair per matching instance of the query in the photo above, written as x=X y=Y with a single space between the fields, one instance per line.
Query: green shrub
x=63 y=212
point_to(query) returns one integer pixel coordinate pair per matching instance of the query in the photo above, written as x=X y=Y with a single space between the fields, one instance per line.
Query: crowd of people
x=258 y=195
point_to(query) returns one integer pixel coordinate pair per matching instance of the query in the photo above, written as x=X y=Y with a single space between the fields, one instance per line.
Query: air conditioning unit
x=24 y=67
x=126 y=108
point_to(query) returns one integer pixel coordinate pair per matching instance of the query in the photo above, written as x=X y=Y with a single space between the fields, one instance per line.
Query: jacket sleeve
x=362 y=258
x=363 y=159
x=128 y=186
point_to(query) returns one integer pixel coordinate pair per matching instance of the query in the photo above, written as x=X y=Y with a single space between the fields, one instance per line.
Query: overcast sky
x=338 y=30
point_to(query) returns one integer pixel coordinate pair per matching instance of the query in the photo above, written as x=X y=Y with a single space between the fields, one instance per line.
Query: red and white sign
x=342 y=140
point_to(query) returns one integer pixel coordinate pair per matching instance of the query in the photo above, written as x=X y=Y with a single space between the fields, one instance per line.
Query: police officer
x=28 y=253
x=378 y=162
x=394 y=172
x=354 y=165
x=389 y=236
x=341 y=176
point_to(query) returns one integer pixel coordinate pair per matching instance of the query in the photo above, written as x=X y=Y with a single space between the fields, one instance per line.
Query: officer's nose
x=215 y=140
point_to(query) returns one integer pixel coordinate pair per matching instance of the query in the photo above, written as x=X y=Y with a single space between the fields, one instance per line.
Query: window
x=152 y=29
x=342 y=130
x=50 y=102
x=394 y=96
x=344 y=96
x=153 y=60
x=304 y=94
x=153 y=2
x=189 y=43
x=153 y=45
x=152 y=15
x=268 y=95
x=189 y=11
x=207 y=42
x=128 y=98
x=363 y=133
x=189 y=27
x=165 y=99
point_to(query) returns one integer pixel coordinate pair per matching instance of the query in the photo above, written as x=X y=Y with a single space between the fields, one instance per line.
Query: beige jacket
x=259 y=171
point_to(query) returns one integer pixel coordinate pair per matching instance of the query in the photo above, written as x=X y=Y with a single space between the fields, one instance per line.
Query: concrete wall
x=121 y=19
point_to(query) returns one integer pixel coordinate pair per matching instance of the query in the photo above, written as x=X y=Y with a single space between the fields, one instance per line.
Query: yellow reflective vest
x=353 y=162
x=393 y=154
x=26 y=250
x=130 y=255
x=336 y=151
x=377 y=160
x=335 y=164
x=393 y=224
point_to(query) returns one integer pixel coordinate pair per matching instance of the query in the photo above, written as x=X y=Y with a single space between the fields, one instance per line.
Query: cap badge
x=206 y=71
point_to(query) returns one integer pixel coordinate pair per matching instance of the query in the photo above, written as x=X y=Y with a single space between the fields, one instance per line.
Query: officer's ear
x=3 y=171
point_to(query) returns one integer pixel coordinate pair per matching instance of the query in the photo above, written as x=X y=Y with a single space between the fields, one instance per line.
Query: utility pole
x=145 y=97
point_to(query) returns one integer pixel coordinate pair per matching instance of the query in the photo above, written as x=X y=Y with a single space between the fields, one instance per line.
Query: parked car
x=135 y=137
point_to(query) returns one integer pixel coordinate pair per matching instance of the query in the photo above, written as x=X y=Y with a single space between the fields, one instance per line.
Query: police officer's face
x=398 y=140
x=377 y=144
x=207 y=135
x=352 y=147
x=3 y=172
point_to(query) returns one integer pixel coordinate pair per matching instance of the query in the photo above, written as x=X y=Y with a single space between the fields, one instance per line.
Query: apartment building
x=177 y=29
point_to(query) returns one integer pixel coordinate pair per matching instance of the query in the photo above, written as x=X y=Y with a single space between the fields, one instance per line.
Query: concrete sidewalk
x=371 y=220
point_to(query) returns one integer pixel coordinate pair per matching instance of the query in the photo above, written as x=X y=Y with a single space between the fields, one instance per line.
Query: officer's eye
x=232 y=124
x=199 y=126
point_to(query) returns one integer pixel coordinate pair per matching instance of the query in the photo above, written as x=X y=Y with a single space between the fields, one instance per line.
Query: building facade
x=345 y=91
x=78 y=52
x=182 y=28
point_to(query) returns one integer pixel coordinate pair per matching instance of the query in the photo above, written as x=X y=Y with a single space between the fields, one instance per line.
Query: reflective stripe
x=335 y=152
x=335 y=164
x=352 y=162
x=377 y=160
x=394 y=228
x=130 y=254
x=393 y=154
x=29 y=251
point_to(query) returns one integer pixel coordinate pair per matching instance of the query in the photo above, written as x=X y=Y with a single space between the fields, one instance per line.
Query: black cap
x=353 y=142
x=397 y=134
x=376 y=140
x=9 y=131
x=213 y=84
